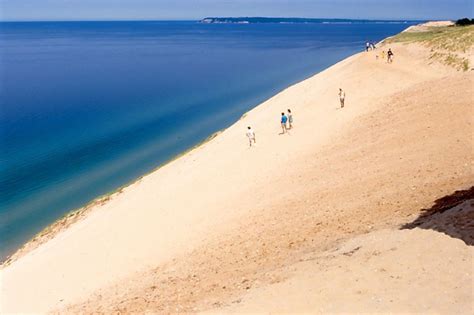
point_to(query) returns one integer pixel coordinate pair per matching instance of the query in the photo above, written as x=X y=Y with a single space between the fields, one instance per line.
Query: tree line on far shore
x=464 y=22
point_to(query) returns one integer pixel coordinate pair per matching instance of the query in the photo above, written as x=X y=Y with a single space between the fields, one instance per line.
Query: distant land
x=256 y=20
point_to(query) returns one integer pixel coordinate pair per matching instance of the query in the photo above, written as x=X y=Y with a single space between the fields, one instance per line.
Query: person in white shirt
x=290 y=119
x=342 y=97
x=251 y=135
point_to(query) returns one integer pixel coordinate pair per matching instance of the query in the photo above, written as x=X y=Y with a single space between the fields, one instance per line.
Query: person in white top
x=290 y=119
x=251 y=135
x=342 y=97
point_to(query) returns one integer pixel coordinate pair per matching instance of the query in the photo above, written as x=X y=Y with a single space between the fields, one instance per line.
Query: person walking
x=251 y=135
x=389 y=56
x=283 y=121
x=342 y=97
x=367 y=46
x=290 y=119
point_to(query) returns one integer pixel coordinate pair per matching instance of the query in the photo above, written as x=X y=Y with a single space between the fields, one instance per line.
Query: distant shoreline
x=234 y=20
x=279 y=20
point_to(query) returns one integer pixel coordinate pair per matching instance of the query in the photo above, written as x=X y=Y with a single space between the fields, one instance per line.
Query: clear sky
x=197 y=9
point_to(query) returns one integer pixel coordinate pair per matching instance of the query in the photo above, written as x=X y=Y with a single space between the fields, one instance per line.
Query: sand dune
x=226 y=219
x=388 y=271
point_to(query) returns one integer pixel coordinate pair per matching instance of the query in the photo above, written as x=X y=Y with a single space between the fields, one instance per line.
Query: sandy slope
x=407 y=271
x=225 y=218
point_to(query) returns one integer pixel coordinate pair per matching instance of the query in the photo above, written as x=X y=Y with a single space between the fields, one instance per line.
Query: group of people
x=286 y=123
x=286 y=120
x=369 y=46
x=388 y=55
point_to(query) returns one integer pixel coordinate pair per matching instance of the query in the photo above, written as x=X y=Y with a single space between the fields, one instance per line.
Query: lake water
x=86 y=107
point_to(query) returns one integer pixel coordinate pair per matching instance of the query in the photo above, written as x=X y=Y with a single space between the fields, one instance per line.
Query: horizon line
x=194 y=20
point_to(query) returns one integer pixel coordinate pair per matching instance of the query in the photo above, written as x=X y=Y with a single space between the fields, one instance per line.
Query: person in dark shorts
x=283 y=121
x=389 y=56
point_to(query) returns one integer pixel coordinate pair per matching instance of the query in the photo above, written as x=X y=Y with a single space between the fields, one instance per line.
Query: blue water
x=87 y=107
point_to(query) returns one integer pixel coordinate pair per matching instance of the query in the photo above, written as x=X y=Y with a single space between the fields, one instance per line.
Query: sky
x=34 y=10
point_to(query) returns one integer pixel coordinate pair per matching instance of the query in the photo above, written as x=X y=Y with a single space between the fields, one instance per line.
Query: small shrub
x=465 y=65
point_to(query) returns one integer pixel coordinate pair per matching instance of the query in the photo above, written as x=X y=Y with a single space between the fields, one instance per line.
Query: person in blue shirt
x=284 y=119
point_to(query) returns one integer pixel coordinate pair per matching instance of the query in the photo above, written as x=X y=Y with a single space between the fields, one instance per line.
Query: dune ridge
x=225 y=222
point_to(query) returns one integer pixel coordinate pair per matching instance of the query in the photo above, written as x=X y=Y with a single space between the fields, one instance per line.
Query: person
x=389 y=55
x=290 y=119
x=251 y=136
x=367 y=46
x=284 y=119
x=342 y=97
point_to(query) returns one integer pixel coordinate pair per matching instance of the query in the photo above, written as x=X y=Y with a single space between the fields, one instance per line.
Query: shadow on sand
x=452 y=215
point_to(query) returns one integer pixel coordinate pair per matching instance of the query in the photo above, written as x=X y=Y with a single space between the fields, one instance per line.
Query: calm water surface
x=86 y=107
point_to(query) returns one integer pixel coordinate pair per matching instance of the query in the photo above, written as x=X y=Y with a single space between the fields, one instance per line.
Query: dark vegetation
x=464 y=22
x=259 y=20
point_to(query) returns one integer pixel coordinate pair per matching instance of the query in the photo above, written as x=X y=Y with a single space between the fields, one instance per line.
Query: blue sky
x=196 y=9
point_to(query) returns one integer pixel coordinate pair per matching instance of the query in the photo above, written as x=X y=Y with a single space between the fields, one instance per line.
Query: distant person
x=367 y=46
x=389 y=56
x=290 y=119
x=283 y=121
x=342 y=97
x=251 y=136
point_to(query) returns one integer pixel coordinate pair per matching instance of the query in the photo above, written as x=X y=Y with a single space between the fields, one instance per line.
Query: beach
x=142 y=97
x=232 y=228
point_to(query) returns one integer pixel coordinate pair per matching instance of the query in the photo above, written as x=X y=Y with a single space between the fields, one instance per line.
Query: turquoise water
x=87 y=107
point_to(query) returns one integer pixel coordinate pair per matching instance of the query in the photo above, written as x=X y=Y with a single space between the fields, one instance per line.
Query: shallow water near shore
x=87 y=107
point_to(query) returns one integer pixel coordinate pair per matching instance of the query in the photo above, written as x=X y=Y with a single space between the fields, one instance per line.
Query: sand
x=388 y=271
x=226 y=222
